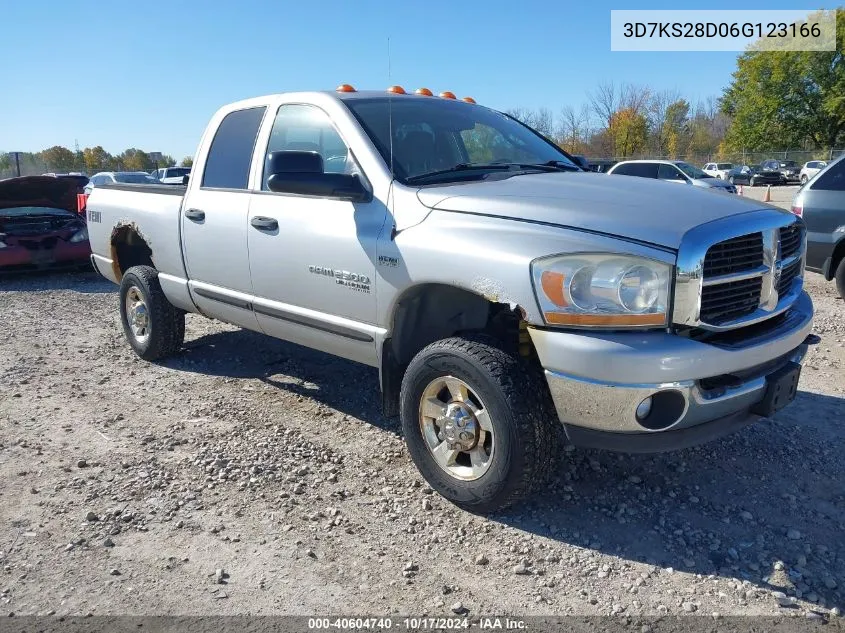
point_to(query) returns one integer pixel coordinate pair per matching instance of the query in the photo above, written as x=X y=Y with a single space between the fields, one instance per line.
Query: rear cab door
x=214 y=216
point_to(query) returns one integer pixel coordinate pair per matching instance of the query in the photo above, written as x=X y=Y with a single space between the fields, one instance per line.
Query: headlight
x=602 y=290
x=80 y=236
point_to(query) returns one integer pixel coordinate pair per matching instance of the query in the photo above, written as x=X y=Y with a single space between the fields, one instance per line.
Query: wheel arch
x=428 y=312
x=129 y=247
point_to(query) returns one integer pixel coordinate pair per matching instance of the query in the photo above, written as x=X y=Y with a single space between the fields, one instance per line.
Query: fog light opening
x=643 y=409
x=664 y=409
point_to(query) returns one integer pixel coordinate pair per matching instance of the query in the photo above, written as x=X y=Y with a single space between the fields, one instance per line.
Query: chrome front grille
x=738 y=271
x=735 y=255
x=731 y=300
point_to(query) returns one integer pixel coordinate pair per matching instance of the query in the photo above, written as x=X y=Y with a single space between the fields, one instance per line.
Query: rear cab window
x=230 y=154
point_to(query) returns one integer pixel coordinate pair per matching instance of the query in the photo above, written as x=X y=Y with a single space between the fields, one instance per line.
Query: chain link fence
x=739 y=158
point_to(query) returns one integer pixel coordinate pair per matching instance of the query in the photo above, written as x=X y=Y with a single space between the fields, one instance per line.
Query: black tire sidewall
x=507 y=454
x=839 y=278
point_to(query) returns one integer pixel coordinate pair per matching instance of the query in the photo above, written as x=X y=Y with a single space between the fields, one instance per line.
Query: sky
x=149 y=75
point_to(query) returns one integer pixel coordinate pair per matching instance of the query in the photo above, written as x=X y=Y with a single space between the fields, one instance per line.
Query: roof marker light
x=399 y=90
x=345 y=88
x=447 y=95
x=425 y=92
x=468 y=99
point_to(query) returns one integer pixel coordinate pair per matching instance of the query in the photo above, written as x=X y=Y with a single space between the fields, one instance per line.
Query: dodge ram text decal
x=361 y=283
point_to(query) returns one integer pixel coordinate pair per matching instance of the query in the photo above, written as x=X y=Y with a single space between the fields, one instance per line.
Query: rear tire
x=153 y=327
x=839 y=276
x=513 y=432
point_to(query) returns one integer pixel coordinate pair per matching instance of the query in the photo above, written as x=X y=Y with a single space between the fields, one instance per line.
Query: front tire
x=153 y=327
x=476 y=423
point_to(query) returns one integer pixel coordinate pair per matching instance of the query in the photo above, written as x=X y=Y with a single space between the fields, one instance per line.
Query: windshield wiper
x=550 y=166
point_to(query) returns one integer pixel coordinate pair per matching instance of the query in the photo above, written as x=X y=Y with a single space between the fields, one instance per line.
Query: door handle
x=264 y=224
x=195 y=214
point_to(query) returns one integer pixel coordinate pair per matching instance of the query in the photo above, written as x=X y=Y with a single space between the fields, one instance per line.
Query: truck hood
x=634 y=208
x=40 y=191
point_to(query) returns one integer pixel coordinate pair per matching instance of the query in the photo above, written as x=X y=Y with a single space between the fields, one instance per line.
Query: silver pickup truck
x=502 y=292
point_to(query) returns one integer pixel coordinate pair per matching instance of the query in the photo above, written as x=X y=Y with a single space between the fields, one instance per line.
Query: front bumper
x=699 y=390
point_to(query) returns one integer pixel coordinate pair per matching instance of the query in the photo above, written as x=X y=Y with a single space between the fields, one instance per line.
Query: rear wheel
x=476 y=422
x=153 y=327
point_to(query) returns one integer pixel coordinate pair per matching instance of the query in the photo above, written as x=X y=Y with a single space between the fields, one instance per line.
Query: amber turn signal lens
x=448 y=95
x=425 y=92
x=344 y=88
x=399 y=90
x=552 y=283
x=605 y=320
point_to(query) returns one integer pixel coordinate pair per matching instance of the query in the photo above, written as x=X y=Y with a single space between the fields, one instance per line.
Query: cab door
x=313 y=259
x=214 y=222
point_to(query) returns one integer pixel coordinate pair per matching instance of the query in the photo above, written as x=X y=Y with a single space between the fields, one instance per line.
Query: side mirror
x=301 y=173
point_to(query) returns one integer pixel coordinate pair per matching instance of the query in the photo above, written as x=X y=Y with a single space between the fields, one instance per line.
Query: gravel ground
x=251 y=476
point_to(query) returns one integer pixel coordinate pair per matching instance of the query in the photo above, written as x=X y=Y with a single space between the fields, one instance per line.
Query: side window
x=833 y=179
x=643 y=170
x=230 y=154
x=708 y=166
x=307 y=128
x=669 y=172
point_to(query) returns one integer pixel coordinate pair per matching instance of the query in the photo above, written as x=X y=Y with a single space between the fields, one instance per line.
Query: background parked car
x=40 y=226
x=718 y=170
x=788 y=169
x=676 y=171
x=753 y=175
x=810 y=169
x=821 y=202
x=601 y=166
x=127 y=177
x=170 y=175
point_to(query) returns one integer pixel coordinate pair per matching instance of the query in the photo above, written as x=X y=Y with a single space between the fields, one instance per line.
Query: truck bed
x=151 y=212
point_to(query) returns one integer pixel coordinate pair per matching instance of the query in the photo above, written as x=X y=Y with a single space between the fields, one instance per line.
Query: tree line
x=776 y=100
x=91 y=160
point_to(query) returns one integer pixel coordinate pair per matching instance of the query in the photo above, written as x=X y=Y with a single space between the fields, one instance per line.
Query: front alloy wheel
x=456 y=428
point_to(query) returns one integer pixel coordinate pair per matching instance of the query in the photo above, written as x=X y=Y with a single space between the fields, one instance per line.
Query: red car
x=42 y=223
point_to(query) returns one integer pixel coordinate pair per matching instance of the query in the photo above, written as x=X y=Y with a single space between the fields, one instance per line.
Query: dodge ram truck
x=502 y=292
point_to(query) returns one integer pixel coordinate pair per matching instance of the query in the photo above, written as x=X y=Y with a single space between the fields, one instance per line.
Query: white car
x=676 y=171
x=810 y=169
x=123 y=177
x=171 y=175
x=718 y=170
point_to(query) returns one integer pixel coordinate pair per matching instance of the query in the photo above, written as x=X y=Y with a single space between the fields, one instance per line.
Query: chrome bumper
x=695 y=382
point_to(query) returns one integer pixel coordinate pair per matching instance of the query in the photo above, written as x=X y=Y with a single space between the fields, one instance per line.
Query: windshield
x=691 y=171
x=787 y=163
x=17 y=212
x=134 y=179
x=433 y=135
x=175 y=172
x=724 y=166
